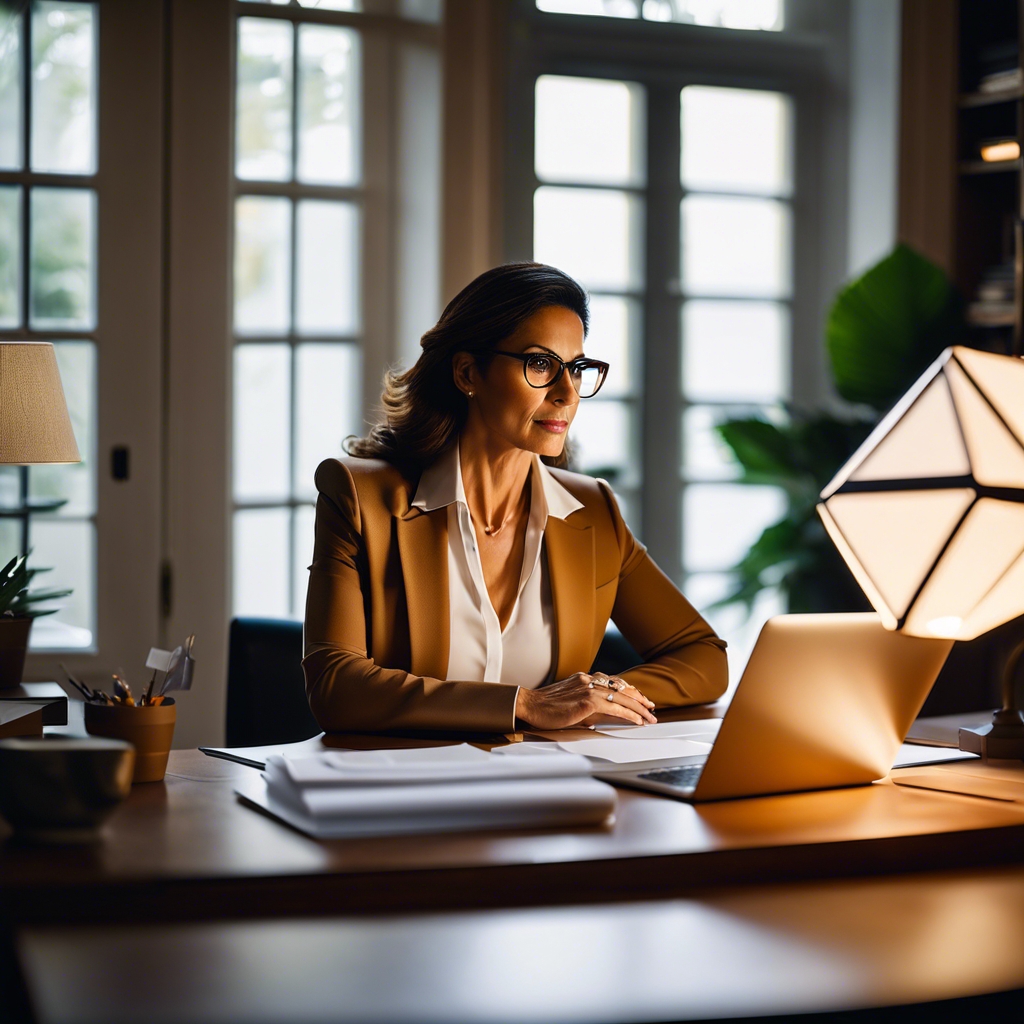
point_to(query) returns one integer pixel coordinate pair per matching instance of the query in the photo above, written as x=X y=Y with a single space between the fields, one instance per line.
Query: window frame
x=663 y=58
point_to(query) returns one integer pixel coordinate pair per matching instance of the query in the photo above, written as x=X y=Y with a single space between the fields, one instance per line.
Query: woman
x=458 y=583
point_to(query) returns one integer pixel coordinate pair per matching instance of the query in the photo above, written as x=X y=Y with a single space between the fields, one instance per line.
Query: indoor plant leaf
x=888 y=325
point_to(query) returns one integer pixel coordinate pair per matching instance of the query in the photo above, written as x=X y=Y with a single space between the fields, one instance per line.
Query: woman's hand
x=584 y=699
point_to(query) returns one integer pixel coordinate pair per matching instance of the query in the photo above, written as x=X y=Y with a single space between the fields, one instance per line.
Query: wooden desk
x=794 y=948
x=186 y=850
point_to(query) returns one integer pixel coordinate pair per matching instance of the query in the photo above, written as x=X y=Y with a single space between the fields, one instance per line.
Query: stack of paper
x=339 y=794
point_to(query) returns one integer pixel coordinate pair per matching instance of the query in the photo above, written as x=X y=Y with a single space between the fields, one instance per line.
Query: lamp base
x=1002 y=739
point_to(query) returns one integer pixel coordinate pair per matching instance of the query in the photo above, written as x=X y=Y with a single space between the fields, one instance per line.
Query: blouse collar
x=441 y=485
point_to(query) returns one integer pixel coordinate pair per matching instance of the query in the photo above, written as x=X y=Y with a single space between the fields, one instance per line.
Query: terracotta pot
x=148 y=729
x=13 y=645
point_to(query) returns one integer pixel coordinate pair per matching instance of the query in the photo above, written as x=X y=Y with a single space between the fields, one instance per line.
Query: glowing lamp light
x=929 y=515
x=929 y=511
x=1003 y=149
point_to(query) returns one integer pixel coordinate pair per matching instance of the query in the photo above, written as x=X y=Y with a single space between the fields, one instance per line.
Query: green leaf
x=888 y=325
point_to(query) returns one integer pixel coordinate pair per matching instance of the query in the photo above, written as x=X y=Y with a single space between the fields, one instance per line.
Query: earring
x=469 y=394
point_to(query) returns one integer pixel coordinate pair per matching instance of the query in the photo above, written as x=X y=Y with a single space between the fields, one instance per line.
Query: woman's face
x=533 y=419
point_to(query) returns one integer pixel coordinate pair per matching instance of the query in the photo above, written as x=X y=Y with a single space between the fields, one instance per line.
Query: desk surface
x=794 y=948
x=186 y=849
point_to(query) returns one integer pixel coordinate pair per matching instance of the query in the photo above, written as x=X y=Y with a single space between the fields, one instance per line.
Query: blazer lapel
x=423 y=548
x=570 y=551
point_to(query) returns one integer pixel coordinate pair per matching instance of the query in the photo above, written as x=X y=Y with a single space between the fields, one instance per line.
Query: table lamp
x=35 y=427
x=929 y=515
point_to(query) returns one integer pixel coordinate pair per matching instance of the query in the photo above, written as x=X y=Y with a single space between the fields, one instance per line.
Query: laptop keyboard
x=685 y=776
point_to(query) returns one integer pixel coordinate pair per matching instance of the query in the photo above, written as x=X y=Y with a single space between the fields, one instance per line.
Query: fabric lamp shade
x=929 y=512
x=34 y=423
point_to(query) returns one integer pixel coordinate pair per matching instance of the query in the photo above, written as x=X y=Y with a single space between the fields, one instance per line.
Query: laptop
x=825 y=701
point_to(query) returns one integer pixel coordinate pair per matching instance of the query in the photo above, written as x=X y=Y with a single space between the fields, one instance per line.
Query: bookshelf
x=989 y=246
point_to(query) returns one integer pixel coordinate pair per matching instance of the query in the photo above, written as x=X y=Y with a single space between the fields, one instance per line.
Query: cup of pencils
x=146 y=721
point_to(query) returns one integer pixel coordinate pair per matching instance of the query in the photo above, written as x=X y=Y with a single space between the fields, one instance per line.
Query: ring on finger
x=611 y=696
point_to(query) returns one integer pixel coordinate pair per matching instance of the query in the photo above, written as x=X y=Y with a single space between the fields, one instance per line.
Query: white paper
x=636 y=752
x=420 y=766
x=705 y=729
x=456 y=807
x=12 y=710
x=917 y=753
x=158 y=659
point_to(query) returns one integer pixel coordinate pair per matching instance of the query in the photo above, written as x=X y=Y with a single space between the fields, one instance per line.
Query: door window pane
x=263 y=99
x=735 y=351
x=10 y=90
x=262 y=418
x=303 y=524
x=705 y=455
x=735 y=246
x=592 y=234
x=263 y=231
x=63 y=88
x=62 y=249
x=10 y=256
x=589 y=131
x=327 y=271
x=602 y=440
x=723 y=520
x=603 y=8
x=69 y=547
x=614 y=328
x=262 y=543
x=75 y=482
x=329 y=105
x=327 y=407
x=735 y=140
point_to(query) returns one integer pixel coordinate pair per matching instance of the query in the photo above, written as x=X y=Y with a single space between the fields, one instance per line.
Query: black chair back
x=266 y=689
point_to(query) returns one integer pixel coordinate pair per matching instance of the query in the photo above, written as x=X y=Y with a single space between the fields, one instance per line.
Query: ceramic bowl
x=61 y=788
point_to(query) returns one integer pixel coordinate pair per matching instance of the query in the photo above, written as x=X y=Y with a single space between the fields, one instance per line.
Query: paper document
x=11 y=711
x=915 y=753
x=423 y=765
x=613 y=754
x=705 y=729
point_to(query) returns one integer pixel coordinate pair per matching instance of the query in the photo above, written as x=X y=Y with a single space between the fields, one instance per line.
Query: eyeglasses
x=544 y=370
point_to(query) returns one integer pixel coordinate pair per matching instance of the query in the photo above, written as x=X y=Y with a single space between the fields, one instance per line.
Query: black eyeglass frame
x=582 y=362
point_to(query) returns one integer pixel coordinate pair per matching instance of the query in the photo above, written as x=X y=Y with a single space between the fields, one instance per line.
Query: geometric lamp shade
x=929 y=512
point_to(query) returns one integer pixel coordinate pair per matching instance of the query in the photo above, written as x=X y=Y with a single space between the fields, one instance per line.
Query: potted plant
x=883 y=330
x=18 y=607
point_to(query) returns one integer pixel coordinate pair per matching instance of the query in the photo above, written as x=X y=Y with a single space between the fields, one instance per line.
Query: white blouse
x=523 y=654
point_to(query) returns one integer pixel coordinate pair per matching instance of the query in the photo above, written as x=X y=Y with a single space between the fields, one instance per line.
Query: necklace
x=492 y=531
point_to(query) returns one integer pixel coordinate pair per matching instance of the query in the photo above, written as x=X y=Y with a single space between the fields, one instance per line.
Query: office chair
x=267 y=693
x=266 y=689
x=615 y=654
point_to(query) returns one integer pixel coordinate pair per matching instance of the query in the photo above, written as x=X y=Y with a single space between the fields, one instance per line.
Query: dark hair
x=424 y=410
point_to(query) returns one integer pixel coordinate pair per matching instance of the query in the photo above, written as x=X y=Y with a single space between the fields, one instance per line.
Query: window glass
x=10 y=255
x=10 y=90
x=76 y=483
x=735 y=140
x=733 y=245
x=62 y=253
x=705 y=455
x=614 y=329
x=262 y=562
x=63 y=87
x=303 y=523
x=329 y=105
x=723 y=520
x=766 y=15
x=735 y=351
x=263 y=230
x=602 y=440
x=68 y=548
x=588 y=131
x=592 y=234
x=262 y=417
x=263 y=100
x=327 y=270
x=327 y=407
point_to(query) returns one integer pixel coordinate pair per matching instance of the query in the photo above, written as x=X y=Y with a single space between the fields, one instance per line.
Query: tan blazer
x=377 y=628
